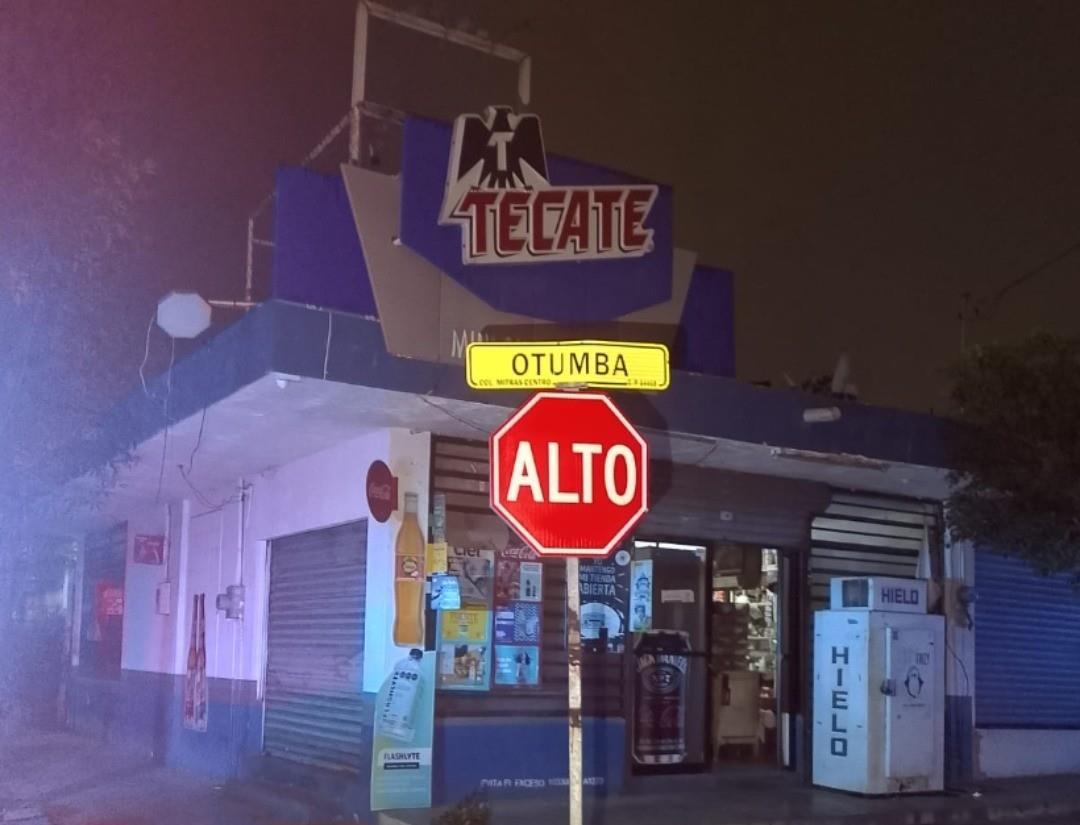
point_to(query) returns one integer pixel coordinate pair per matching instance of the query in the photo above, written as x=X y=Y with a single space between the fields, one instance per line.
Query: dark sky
x=859 y=165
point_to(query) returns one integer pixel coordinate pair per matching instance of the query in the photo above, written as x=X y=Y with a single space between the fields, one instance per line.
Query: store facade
x=257 y=489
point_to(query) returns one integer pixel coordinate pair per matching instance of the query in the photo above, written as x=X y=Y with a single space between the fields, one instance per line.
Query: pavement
x=56 y=778
x=59 y=778
x=757 y=796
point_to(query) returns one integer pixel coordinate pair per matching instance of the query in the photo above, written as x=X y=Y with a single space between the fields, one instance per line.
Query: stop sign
x=569 y=474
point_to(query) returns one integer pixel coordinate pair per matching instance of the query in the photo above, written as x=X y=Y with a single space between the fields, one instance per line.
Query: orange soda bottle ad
x=409 y=578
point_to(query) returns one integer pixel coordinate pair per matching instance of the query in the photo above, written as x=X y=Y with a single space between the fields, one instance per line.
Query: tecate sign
x=498 y=192
x=569 y=474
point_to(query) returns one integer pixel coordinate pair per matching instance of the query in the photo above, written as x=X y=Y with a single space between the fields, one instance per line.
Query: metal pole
x=573 y=651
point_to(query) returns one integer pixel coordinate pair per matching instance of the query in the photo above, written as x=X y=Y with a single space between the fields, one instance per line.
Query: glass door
x=669 y=613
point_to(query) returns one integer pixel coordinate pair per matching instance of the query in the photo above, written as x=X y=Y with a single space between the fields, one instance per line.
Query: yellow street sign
x=535 y=365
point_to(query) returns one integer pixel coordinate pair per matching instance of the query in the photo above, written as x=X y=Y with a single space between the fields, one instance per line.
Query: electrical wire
x=165 y=431
x=146 y=355
x=329 y=335
x=963 y=667
x=198 y=441
x=453 y=415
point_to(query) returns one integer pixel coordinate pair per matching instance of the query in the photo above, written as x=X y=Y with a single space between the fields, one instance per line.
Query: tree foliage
x=73 y=188
x=1017 y=459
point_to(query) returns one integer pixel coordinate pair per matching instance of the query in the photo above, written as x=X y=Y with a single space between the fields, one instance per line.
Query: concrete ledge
x=1002 y=753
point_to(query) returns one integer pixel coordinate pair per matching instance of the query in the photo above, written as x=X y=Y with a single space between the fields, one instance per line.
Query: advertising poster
x=641 y=596
x=518 y=613
x=605 y=594
x=518 y=623
x=148 y=550
x=465 y=649
x=517 y=665
x=518 y=576
x=475 y=570
x=404 y=727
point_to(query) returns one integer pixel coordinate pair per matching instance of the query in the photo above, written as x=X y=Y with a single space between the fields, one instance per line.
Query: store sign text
x=838 y=739
x=498 y=192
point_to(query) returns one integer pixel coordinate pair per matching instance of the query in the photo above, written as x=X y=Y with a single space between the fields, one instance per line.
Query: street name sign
x=536 y=365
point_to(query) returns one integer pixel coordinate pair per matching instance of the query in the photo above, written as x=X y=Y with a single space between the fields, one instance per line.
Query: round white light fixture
x=183 y=314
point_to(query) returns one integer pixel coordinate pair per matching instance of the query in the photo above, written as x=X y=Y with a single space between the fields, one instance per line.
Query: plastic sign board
x=569 y=474
x=491 y=365
x=499 y=193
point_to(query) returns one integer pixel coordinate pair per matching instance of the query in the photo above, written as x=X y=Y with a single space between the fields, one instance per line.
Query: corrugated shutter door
x=696 y=504
x=1027 y=646
x=861 y=535
x=315 y=648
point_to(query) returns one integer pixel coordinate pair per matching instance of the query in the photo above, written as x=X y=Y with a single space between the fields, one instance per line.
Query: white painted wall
x=318 y=491
x=1004 y=753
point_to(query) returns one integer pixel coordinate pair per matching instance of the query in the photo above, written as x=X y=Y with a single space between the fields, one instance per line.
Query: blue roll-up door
x=1027 y=646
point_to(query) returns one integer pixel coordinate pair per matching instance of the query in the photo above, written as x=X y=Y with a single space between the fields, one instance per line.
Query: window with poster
x=102 y=617
x=505 y=649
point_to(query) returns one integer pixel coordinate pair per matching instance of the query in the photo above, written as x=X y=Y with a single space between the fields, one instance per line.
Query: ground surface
x=62 y=779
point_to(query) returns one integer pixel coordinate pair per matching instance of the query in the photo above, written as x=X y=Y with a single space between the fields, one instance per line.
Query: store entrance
x=706 y=656
x=744 y=610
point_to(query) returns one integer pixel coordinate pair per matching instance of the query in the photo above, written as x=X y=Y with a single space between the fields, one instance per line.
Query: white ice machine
x=879 y=689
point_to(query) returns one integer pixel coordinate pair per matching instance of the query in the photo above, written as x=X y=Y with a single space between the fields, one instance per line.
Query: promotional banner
x=641 y=596
x=404 y=727
x=605 y=594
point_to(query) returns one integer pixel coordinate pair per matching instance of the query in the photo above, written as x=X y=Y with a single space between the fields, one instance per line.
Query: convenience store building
x=259 y=477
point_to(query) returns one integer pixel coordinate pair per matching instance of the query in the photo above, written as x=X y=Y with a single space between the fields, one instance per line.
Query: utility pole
x=573 y=653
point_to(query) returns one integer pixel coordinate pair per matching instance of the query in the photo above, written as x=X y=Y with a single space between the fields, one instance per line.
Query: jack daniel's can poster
x=660 y=698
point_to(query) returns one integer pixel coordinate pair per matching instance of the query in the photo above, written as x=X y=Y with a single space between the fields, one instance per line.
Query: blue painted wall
x=514 y=757
x=317 y=255
x=144 y=712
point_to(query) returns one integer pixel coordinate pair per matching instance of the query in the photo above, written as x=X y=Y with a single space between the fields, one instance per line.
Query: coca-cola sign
x=382 y=492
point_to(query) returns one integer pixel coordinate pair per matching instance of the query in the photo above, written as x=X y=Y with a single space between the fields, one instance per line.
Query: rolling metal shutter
x=315 y=648
x=699 y=504
x=1027 y=646
x=860 y=535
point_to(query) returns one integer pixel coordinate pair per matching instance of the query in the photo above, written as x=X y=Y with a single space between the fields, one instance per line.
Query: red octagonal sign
x=569 y=474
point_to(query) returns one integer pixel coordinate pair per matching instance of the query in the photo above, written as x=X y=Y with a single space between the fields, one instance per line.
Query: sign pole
x=573 y=651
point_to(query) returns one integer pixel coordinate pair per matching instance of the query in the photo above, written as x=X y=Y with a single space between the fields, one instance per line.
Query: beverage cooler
x=669 y=657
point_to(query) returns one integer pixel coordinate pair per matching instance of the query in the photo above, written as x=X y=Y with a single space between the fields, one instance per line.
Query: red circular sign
x=381 y=489
x=569 y=474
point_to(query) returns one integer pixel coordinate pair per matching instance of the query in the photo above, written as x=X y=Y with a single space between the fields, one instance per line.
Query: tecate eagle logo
x=498 y=192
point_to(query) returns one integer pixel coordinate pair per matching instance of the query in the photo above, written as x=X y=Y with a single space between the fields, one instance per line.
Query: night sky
x=858 y=165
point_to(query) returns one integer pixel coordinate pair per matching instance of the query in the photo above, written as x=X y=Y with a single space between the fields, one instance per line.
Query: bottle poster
x=402 y=737
x=605 y=593
x=195 y=685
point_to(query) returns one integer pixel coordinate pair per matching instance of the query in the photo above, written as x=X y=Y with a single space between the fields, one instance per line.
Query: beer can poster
x=605 y=592
x=660 y=698
x=404 y=728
